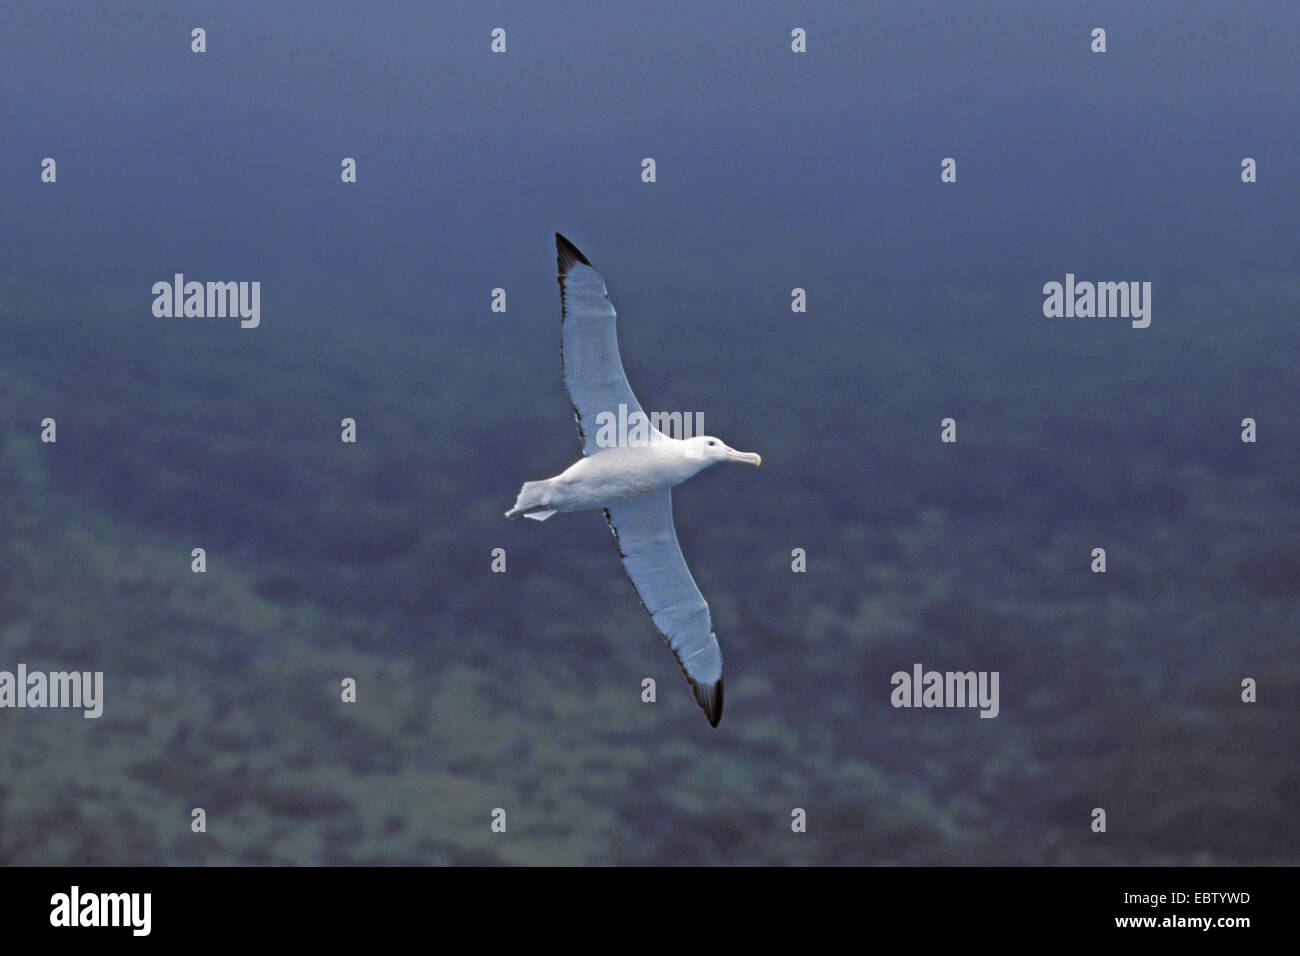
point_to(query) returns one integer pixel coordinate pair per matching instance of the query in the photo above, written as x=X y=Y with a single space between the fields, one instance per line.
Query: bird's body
x=631 y=483
x=613 y=475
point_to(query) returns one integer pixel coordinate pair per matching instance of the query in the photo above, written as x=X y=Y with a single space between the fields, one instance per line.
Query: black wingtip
x=710 y=700
x=568 y=255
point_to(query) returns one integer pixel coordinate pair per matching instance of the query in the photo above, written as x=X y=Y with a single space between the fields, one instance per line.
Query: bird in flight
x=631 y=482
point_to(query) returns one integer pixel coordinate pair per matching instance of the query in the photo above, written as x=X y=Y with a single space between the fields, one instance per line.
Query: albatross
x=631 y=483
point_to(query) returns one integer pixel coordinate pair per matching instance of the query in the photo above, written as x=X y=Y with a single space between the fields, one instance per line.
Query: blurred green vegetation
x=522 y=690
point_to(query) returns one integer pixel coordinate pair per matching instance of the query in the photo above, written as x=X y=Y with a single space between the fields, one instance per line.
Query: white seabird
x=631 y=483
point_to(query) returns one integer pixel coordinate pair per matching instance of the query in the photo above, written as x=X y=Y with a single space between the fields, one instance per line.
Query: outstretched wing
x=647 y=543
x=593 y=371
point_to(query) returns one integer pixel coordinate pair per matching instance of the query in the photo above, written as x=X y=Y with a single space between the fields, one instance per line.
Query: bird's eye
x=712 y=443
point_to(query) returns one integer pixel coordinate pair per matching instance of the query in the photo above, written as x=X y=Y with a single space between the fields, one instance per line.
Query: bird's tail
x=531 y=502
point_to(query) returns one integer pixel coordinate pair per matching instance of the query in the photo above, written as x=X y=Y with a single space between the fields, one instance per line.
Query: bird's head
x=708 y=449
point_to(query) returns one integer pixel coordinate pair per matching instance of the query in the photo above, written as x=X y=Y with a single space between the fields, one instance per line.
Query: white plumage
x=631 y=483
